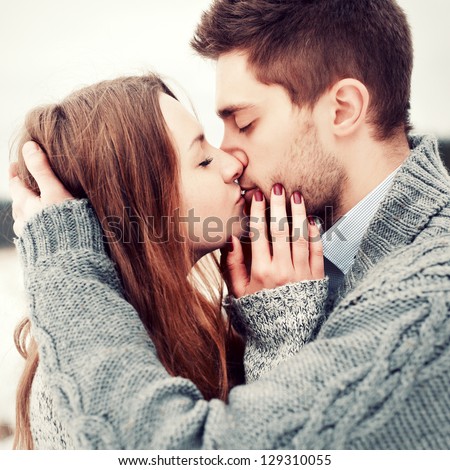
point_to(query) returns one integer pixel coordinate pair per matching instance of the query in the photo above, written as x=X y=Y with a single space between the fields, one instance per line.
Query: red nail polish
x=311 y=220
x=297 y=198
x=259 y=196
x=278 y=189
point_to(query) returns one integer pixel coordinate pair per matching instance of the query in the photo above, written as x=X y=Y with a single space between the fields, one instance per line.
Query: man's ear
x=350 y=101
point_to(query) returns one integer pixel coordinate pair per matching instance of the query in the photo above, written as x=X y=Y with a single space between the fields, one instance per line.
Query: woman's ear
x=350 y=101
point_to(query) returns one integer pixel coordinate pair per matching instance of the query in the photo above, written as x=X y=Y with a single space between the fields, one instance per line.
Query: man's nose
x=232 y=168
x=232 y=148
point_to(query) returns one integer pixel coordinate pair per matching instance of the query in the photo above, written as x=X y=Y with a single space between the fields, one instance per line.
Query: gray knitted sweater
x=376 y=375
x=275 y=322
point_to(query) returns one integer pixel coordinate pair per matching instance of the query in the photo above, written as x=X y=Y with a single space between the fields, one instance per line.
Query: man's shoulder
x=419 y=271
x=426 y=259
x=411 y=282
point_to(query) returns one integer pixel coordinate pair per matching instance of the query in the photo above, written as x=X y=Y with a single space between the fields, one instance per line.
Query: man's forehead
x=236 y=86
x=232 y=64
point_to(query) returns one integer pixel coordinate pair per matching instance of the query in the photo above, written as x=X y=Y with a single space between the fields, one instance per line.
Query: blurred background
x=51 y=47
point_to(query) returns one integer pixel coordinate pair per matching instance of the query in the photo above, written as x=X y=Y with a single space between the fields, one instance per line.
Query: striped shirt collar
x=341 y=242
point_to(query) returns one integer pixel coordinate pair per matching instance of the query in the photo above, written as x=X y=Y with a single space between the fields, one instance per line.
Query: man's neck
x=367 y=165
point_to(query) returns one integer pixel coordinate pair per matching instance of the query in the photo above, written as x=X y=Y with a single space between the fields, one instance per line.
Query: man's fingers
x=52 y=191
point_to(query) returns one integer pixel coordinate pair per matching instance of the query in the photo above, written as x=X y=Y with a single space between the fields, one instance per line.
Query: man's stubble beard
x=317 y=174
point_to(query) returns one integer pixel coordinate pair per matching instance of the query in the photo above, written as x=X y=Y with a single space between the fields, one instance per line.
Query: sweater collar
x=341 y=242
x=421 y=188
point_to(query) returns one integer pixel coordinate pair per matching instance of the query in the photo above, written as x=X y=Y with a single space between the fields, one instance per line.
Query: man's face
x=276 y=140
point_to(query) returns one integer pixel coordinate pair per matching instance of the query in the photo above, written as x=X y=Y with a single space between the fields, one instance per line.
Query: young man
x=314 y=95
x=302 y=104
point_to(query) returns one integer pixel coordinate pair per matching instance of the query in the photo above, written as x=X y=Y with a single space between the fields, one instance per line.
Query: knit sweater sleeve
x=378 y=377
x=277 y=322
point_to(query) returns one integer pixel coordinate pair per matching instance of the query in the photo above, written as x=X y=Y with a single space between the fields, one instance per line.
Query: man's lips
x=248 y=194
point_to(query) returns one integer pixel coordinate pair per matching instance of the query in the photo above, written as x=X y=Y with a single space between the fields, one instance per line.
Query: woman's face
x=212 y=205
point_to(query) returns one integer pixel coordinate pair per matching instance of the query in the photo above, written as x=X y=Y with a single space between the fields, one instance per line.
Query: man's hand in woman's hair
x=26 y=203
x=295 y=252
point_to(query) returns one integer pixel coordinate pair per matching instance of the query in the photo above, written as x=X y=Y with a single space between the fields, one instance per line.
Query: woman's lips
x=247 y=195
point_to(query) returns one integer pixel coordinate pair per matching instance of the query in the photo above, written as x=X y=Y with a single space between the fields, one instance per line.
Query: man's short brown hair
x=308 y=45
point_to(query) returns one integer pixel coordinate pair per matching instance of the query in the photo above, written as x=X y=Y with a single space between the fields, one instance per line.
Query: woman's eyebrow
x=200 y=138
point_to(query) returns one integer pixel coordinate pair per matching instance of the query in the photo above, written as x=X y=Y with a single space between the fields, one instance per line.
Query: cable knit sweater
x=376 y=375
x=276 y=323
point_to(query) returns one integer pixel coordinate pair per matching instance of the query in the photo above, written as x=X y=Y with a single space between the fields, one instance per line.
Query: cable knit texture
x=376 y=375
x=277 y=322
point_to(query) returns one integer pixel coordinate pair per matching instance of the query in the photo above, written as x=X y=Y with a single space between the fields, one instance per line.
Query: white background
x=50 y=47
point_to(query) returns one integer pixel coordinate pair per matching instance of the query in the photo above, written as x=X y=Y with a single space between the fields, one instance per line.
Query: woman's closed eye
x=206 y=162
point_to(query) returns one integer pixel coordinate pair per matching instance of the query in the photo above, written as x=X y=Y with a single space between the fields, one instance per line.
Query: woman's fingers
x=258 y=232
x=280 y=233
x=296 y=254
x=20 y=194
x=13 y=170
x=315 y=251
x=300 y=237
x=236 y=272
x=25 y=202
x=51 y=189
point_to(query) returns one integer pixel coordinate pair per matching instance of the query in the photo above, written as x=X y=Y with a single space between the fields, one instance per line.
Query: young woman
x=164 y=198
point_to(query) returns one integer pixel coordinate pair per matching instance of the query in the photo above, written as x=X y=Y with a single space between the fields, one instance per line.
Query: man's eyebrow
x=230 y=110
x=200 y=138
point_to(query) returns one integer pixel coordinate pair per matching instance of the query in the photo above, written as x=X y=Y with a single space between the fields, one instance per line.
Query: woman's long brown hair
x=109 y=143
